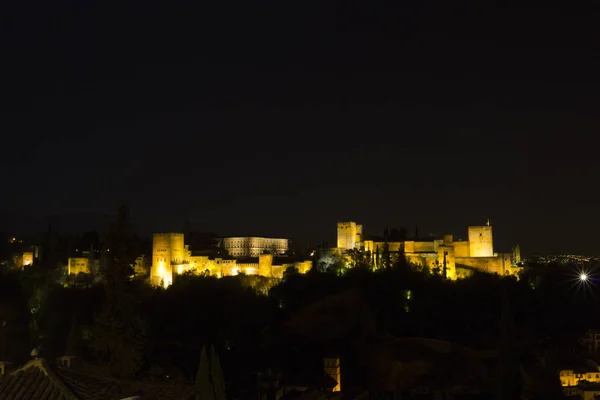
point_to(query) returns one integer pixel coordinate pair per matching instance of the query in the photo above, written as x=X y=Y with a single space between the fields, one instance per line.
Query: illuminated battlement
x=475 y=253
x=171 y=257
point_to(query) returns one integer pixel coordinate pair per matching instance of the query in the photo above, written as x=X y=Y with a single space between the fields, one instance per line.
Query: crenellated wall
x=477 y=252
x=170 y=257
x=500 y=264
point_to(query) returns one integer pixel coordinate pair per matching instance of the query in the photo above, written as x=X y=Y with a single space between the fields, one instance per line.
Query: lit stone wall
x=426 y=260
x=78 y=265
x=27 y=258
x=303 y=266
x=462 y=249
x=501 y=264
x=373 y=246
x=265 y=264
x=228 y=267
x=220 y=267
x=480 y=241
x=568 y=377
x=254 y=246
x=201 y=264
x=278 y=271
x=424 y=247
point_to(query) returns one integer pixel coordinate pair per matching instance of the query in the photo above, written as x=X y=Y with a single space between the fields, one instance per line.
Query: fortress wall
x=462 y=249
x=424 y=247
x=278 y=271
x=494 y=265
x=201 y=264
x=248 y=269
x=265 y=262
x=228 y=267
x=426 y=260
x=304 y=266
x=373 y=246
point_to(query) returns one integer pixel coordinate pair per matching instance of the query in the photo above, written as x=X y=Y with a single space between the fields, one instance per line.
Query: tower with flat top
x=481 y=243
x=349 y=235
x=168 y=249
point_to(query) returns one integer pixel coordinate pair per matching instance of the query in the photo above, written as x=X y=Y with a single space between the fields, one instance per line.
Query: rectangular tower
x=480 y=241
x=347 y=233
x=167 y=250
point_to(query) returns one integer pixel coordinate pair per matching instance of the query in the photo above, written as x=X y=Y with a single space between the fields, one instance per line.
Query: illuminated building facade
x=27 y=258
x=171 y=257
x=254 y=246
x=475 y=253
x=82 y=265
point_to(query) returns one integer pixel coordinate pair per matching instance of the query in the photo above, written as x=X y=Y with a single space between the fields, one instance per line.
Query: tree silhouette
x=203 y=384
x=119 y=338
x=73 y=345
x=386 y=257
x=216 y=374
x=209 y=377
x=359 y=258
x=509 y=376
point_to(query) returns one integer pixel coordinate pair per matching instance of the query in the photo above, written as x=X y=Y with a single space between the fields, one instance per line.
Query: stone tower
x=349 y=235
x=167 y=250
x=481 y=243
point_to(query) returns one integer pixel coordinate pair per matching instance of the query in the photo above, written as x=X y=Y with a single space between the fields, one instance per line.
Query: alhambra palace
x=268 y=257
x=458 y=257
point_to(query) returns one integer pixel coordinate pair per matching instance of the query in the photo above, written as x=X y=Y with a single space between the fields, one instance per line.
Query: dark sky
x=281 y=118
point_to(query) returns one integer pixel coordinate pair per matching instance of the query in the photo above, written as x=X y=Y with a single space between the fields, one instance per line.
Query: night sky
x=281 y=118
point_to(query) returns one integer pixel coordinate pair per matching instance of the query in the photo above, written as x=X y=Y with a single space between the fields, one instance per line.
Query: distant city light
x=584 y=281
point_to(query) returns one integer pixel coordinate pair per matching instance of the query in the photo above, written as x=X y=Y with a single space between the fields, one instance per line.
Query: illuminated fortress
x=476 y=253
x=171 y=257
